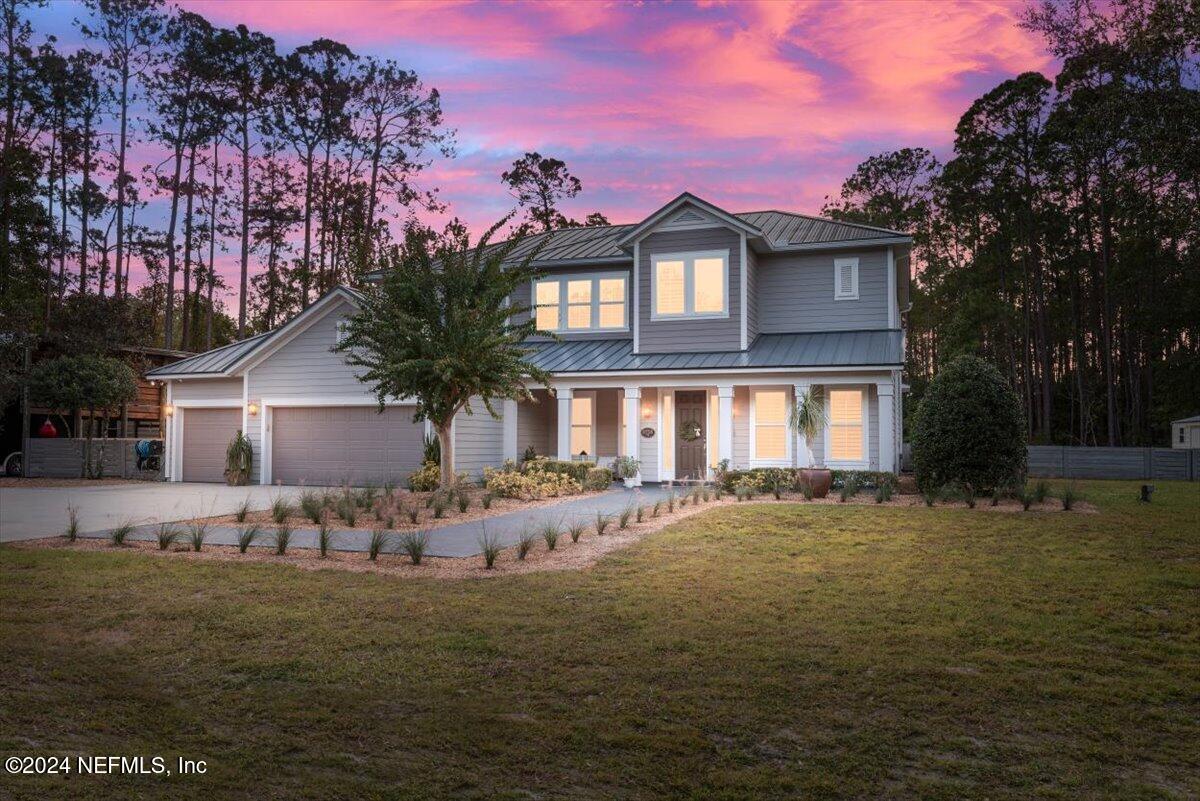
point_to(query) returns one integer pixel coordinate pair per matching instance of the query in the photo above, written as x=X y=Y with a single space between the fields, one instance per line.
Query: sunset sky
x=751 y=105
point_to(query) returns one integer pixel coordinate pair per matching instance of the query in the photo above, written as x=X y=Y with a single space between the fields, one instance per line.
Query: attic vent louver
x=689 y=217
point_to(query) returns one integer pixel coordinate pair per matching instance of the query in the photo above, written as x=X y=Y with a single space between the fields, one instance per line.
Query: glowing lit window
x=691 y=285
x=583 y=409
x=770 y=424
x=846 y=425
x=580 y=303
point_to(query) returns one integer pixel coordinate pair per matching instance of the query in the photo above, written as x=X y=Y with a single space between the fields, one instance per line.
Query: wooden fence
x=63 y=458
x=1072 y=461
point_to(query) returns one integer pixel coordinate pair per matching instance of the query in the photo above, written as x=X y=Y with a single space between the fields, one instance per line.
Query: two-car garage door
x=329 y=445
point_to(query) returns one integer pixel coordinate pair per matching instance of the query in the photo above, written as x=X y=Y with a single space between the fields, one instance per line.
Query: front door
x=691 y=414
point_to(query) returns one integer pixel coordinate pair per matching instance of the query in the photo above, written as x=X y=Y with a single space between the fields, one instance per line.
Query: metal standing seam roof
x=818 y=349
x=780 y=228
x=214 y=361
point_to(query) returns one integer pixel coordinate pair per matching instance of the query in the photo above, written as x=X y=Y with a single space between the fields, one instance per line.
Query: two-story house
x=685 y=340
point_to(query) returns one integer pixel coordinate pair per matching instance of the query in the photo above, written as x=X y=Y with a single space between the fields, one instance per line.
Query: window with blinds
x=847 y=422
x=770 y=424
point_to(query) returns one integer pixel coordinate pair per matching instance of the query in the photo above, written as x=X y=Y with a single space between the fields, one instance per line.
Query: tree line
x=1061 y=238
x=305 y=165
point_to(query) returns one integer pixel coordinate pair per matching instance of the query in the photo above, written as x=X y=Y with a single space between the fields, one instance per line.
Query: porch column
x=633 y=417
x=509 y=410
x=886 y=391
x=803 y=452
x=725 y=423
x=564 y=423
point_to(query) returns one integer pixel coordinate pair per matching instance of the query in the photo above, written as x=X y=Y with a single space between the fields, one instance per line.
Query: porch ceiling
x=883 y=348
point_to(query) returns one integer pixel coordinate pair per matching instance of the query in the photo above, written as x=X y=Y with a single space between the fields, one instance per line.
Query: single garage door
x=331 y=445
x=206 y=436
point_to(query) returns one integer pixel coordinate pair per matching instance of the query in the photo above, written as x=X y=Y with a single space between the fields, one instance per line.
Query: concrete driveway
x=28 y=513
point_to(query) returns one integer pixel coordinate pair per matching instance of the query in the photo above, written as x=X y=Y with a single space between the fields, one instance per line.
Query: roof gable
x=232 y=359
x=692 y=206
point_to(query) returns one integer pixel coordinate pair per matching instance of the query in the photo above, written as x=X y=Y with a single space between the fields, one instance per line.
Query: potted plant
x=627 y=468
x=238 y=459
x=807 y=419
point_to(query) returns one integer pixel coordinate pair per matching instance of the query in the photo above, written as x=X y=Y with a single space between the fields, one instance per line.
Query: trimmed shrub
x=598 y=478
x=969 y=428
x=531 y=483
x=427 y=479
x=576 y=470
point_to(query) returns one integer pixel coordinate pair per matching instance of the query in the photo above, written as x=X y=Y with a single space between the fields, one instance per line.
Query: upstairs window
x=845 y=279
x=580 y=303
x=689 y=285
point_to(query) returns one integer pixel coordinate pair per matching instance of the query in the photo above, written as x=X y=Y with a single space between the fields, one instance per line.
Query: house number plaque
x=647 y=432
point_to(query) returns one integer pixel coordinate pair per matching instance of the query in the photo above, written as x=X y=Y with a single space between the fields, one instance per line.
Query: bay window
x=686 y=285
x=580 y=303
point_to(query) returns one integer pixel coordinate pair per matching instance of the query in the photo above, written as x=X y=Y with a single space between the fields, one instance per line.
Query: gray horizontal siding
x=536 y=425
x=478 y=440
x=680 y=336
x=795 y=293
x=206 y=389
x=1165 y=464
x=752 y=324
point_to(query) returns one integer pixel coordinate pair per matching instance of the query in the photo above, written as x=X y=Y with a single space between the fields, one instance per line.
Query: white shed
x=1185 y=433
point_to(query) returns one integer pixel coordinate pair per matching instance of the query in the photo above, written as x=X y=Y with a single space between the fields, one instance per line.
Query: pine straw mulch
x=568 y=555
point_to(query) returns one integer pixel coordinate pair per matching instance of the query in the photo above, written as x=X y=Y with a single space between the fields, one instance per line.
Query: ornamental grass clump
x=413 y=512
x=575 y=531
x=525 y=544
x=197 y=534
x=550 y=534
x=623 y=519
x=167 y=536
x=704 y=495
x=603 y=521
x=806 y=490
x=849 y=489
x=1026 y=498
x=486 y=501
x=655 y=509
x=1041 y=491
x=324 y=536
x=280 y=509
x=119 y=534
x=283 y=538
x=883 y=493
x=464 y=501
x=489 y=547
x=311 y=505
x=930 y=496
x=242 y=511
x=439 y=507
x=246 y=537
x=72 y=530
x=348 y=511
x=378 y=542
x=671 y=503
x=641 y=513
x=414 y=544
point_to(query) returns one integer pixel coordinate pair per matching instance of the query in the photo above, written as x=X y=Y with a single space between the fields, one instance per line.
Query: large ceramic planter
x=820 y=480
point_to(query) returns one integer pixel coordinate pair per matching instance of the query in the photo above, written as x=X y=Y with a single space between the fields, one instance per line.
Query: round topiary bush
x=969 y=429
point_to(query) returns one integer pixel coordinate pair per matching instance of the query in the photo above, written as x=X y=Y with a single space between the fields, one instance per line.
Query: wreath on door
x=689 y=430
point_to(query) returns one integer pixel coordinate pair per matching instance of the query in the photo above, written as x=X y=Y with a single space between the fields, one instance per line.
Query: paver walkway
x=459 y=539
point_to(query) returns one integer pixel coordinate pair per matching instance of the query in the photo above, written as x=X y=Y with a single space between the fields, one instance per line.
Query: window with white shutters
x=845 y=279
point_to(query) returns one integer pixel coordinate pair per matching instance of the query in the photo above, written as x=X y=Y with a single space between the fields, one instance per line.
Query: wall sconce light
x=168 y=410
x=647 y=412
x=252 y=409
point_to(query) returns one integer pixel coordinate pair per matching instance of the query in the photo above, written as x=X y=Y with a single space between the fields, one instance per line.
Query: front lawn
x=752 y=651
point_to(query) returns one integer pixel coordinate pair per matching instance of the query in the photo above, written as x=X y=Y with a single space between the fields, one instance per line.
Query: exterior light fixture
x=168 y=410
x=252 y=409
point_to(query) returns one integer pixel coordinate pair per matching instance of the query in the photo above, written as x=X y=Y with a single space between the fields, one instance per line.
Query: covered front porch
x=684 y=427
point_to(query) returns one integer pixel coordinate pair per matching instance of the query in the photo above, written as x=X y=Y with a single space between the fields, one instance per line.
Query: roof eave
x=686 y=197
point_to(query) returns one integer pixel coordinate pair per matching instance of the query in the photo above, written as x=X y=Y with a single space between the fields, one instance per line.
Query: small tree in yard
x=84 y=382
x=969 y=429
x=440 y=329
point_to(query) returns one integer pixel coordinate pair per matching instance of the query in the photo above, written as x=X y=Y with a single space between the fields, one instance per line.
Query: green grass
x=753 y=651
